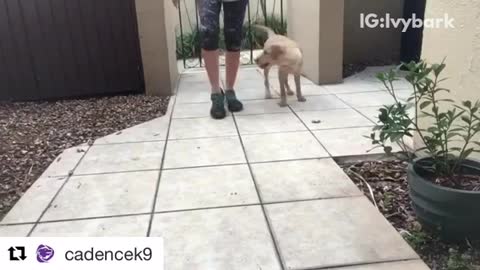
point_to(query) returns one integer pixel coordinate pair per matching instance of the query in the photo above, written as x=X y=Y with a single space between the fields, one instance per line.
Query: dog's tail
x=267 y=30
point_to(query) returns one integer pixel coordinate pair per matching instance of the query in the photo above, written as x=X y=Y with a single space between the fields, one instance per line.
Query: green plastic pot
x=454 y=214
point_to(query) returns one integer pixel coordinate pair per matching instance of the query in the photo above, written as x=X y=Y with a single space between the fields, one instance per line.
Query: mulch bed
x=352 y=69
x=387 y=180
x=33 y=134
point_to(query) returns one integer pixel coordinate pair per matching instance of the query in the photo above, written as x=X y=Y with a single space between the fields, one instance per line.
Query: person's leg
x=234 y=13
x=209 y=12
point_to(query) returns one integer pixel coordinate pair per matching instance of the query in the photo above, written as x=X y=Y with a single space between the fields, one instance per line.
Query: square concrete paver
x=66 y=161
x=104 y=195
x=262 y=107
x=341 y=118
x=154 y=130
x=269 y=123
x=356 y=87
x=229 y=238
x=405 y=265
x=131 y=226
x=302 y=180
x=15 y=230
x=31 y=205
x=193 y=110
x=254 y=93
x=348 y=141
x=318 y=103
x=251 y=83
x=201 y=128
x=371 y=112
x=312 y=90
x=194 y=84
x=334 y=232
x=205 y=187
x=198 y=94
x=282 y=146
x=358 y=100
x=204 y=152
x=122 y=157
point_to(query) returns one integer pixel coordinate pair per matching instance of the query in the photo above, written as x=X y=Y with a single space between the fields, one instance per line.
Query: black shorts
x=234 y=15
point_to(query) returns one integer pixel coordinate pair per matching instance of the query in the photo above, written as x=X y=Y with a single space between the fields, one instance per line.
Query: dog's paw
x=282 y=104
x=268 y=96
x=290 y=93
x=301 y=99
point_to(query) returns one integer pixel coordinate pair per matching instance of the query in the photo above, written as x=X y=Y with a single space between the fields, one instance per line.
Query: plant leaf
x=425 y=104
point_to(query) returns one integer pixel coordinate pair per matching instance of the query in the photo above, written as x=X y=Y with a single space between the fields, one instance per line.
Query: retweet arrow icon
x=14 y=256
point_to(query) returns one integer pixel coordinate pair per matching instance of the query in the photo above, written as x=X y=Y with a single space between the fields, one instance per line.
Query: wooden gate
x=53 y=49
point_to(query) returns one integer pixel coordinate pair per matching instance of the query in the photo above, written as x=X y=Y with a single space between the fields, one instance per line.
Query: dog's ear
x=276 y=51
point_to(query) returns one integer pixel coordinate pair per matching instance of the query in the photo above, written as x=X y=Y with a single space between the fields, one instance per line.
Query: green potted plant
x=444 y=181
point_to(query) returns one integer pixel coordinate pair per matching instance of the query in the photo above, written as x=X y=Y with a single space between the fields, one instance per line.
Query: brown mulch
x=387 y=180
x=34 y=133
x=352 y=69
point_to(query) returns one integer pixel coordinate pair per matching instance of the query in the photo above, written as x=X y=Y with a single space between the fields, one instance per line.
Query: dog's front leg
x=300 y=97
x=266 y=72
x=282 y=77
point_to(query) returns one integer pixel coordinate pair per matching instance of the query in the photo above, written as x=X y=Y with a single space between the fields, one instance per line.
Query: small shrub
x=457 y=123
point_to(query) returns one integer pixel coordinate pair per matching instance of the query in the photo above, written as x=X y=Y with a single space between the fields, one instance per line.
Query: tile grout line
x=231 y=136
x=179 y=210
x=355 y=109
x=58 y=192
x=311 y=132
x=129 y=142
x=193 y=167
x=162 y=163
x=367 y=263
x=264 y=211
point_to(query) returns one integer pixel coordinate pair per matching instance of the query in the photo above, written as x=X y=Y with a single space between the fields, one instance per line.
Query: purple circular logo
x=44 y=253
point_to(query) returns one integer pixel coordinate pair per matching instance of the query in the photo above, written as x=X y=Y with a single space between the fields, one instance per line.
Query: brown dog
x=286 y=54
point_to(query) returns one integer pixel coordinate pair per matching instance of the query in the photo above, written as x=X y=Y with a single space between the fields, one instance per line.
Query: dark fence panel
x=53 y=49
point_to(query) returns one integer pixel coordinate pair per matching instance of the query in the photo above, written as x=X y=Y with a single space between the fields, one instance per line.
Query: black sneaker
x=234 y=105
x=218 y=106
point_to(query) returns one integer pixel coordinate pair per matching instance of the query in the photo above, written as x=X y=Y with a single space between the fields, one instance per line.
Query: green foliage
x=458 y=261
x=417 y=239
x=457 y=123
x=253 y=38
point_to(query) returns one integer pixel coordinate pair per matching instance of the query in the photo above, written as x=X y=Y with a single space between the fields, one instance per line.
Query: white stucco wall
x=460 y=46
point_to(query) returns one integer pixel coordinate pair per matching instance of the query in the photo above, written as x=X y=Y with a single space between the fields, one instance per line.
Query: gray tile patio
x=410 y=265
x=328 y=233
x=122 y=157
x=130 y=226
x=104 y=195
x=225 y=238
x=194 y=188
x=15 y=230
x=257 y=190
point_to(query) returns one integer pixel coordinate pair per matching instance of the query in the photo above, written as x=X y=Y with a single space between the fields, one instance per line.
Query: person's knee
x=209 y=38
x=233 y=39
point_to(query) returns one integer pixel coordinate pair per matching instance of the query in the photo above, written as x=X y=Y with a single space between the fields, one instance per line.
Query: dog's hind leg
x=266 y=72
x=298 y=85
x=282 y=77
x=289 y=89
